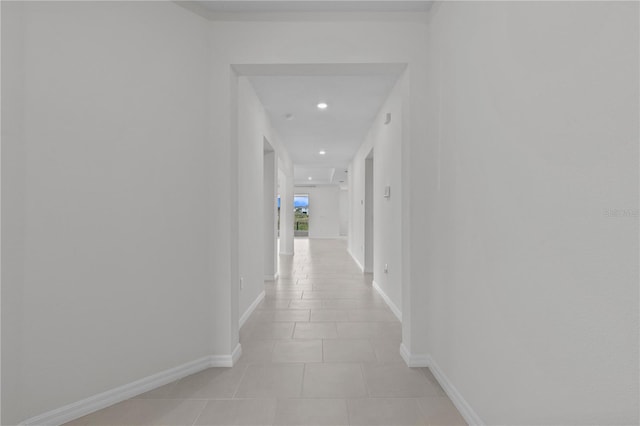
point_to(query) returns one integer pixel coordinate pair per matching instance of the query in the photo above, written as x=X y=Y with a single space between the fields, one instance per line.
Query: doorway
x=270 y=213
x=301 y=211
x=368 y=213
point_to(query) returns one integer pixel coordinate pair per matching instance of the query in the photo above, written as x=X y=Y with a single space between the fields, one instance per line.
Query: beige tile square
x=312 y=412
x=273 y=304
x=352 y=304
x=138 y=412
x=297 y=351
x=271 y=381
x=440 y=411
x=358 y=330
x=333 y=381
x=211 y=383
x=387 y=351
x=332 y=315
x=305 y=304
x=256 y=350
x=385 y=412
x=397 y=381
x=315 y=330
x=238 y=412
x=339 y=350
x=270 y=330
x=391 y=330
x=283 y=294
x=371 y=315
x=294 y=315
x=280 y=315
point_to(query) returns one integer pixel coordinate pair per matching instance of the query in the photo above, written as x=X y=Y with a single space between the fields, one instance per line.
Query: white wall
x=344 y=212
x=105 y=197
x=386 y=142
x=532 y=303
x=253 y=128
x=287 y=219
x=270 y=215
x=13 y=207
x=324 y=210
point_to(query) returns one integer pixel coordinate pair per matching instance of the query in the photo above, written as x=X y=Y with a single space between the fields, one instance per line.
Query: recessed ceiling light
x=323 y=152
x=323 y=105
x=310 y=178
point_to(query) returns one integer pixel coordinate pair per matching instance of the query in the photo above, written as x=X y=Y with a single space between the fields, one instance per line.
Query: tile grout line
x=200 y=413
x=304 y=372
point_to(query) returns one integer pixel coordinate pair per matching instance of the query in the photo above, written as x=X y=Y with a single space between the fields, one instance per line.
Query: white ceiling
x=261 y=6
x=354 y=101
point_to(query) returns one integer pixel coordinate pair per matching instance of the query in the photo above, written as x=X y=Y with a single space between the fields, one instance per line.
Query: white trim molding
x=425 y=360
x=413 y=360
x=273 y=277
x=250 y=309
x=227 y=360
x=102 y=400
x=465 y=409
x=397 y=312
x=355 y=260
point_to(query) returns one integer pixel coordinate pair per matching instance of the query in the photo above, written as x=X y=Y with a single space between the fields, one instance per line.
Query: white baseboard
x=413 y=360
x=102 y=400
x=226 y=360
x=250 y=309
x=397 y=312
x=465 y=409
x=273 y=277
x=356 y=260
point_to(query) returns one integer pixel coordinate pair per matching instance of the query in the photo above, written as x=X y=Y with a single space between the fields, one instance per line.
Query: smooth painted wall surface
x=385 y=140
x=253 y=128
x=109 y=169
x=530 y=262
x=13 y=207
x=344 y=212
x=285 y=188
x=324 y=210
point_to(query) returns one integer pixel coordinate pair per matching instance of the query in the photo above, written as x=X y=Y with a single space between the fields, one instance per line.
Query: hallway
x=321 y=349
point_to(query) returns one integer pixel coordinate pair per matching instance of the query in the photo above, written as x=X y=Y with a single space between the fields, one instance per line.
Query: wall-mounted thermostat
x=387 y=191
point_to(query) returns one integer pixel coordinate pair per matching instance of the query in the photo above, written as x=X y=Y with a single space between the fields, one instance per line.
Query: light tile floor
x=321 y=349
